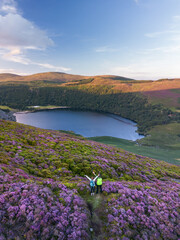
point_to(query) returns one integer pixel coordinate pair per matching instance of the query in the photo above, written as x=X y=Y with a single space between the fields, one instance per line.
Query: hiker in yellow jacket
x=99 y=183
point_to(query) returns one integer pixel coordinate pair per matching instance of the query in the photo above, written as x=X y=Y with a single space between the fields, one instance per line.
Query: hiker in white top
x=92 y=183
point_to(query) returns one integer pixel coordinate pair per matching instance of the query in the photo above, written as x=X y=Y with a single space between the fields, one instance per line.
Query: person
x=99 y=183
x=92 y=183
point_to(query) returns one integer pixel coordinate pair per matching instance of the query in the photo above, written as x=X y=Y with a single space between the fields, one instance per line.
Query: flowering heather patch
x=46 y=211
x=56 y=155
x=42 y=187
x=143 y=210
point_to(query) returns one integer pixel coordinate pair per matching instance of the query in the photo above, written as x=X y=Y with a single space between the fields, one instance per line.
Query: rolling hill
x=163 y=91
x=50 y=76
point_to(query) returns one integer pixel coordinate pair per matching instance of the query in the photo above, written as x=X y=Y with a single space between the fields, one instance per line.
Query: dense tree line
x=128 y=105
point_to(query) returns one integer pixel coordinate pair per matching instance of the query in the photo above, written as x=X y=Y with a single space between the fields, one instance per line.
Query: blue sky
x=132 y=38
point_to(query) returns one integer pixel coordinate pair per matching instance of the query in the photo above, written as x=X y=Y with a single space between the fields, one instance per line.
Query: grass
x=162 y=143
x=72 y=133
x=37 y=108
x=6 y=108
x=164 y=136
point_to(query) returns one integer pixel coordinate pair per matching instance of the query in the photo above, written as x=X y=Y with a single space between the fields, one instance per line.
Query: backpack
x=99 y=181
x=92 y=184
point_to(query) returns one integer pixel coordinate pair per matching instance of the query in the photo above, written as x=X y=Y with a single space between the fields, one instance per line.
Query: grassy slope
x=163 y=142
x=170 y=98
x=167 y=155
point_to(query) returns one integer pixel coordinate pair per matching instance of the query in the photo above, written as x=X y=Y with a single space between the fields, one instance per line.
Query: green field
x=163 y=143
x=4 y=108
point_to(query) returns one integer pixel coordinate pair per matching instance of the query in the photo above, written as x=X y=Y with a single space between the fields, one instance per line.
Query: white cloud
x=170 y=38
x=176 y=18
x=104 y=49
x=131 y=71
x=172 y=30
x=148 y=68
x=19 y=35
x=167 y=49
x=17 y=32
x=16 y=56
x=160 y=33
x=8 y=6
x=13 y=71
x=52 y=67
x=6 y=70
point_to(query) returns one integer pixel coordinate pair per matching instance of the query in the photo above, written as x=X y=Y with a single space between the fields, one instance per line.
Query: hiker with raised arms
x=92 y=183
x=99 y=183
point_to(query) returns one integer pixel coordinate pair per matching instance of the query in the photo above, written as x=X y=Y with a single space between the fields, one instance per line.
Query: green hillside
x=45 y=195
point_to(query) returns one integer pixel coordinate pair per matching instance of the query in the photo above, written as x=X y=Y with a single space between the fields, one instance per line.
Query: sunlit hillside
x=164 y=91
x=50 y=76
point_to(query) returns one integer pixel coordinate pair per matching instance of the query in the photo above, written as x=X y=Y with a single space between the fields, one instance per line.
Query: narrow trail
x=96 y=206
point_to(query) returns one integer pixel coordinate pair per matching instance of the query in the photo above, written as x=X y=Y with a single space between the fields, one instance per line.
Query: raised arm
x=95 y=178
x=88 y=177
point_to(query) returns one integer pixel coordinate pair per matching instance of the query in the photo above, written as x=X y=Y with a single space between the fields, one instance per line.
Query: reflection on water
x=88 y=124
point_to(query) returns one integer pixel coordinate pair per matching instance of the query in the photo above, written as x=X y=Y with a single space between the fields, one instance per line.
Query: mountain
x=58 y=76
x=5 y=76
x=118 y=83
x=44 y=193
x=50 y=76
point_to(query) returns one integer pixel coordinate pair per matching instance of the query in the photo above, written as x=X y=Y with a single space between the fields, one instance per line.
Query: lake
x=86 y=123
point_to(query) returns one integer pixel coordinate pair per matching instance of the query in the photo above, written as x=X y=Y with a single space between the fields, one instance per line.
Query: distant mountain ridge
x=51 y=76
x=164 y=91
x=65 y=77
x=58 y=76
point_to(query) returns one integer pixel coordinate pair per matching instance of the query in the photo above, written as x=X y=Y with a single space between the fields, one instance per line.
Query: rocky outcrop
x=8 y=115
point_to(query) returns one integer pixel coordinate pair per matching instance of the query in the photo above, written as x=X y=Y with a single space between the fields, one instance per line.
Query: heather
x=44 y=195
x=41 y=211
x=143 y=210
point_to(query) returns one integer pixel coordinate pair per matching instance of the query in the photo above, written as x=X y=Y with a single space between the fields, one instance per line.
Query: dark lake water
x=88 y=124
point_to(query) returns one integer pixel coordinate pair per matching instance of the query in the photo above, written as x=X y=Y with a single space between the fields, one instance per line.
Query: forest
x=132 y=106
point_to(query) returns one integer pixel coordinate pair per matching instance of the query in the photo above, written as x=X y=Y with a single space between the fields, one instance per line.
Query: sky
x=139 y=39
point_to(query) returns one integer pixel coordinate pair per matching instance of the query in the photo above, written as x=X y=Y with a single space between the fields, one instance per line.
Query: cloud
x=53 y=67
x=17 y=32
x=160 y=33
x=172 y=29
x=19 y=35
x=169 y=37
x=137 y=71
x=16 y=56
x=8 y=6
x=131 y=71
x=157 y=34
x=7 y=70
x=176 y=18
x=13 y=71
x=104 y=49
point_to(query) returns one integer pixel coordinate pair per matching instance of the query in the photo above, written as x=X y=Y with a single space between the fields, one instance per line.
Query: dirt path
x=97 y=208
